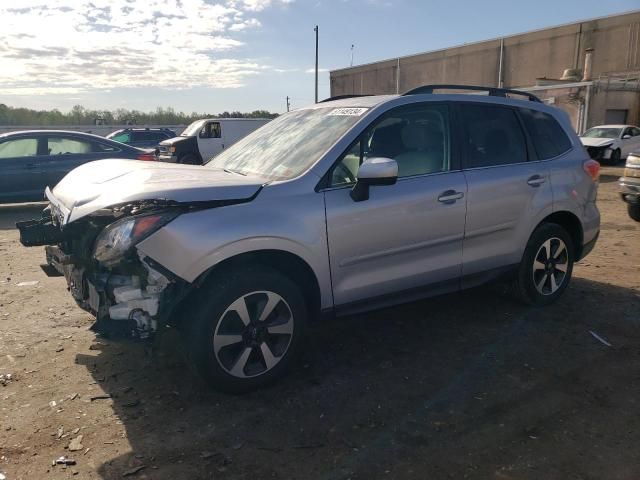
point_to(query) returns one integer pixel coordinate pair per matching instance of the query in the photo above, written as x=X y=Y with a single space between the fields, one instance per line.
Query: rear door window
x=67 y=146
x=548 y=137
x=492 y=136
x=20 y=147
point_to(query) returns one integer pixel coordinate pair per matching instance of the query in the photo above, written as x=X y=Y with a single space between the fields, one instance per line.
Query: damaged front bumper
x=600 y=153
x=132 y=298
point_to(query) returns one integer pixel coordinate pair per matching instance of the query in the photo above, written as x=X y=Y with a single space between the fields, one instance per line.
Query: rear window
x=549 y=139
x=121 y=137
x=493 y=136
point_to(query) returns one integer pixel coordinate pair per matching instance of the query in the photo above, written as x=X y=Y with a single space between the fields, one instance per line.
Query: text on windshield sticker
x=351 y=112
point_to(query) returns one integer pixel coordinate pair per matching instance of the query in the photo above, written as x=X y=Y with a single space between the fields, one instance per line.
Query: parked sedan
x=33 y=160
x=610 y=143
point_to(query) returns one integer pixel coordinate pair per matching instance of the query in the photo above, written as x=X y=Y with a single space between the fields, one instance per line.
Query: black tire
x=530 y=276
x=615 y=157
x=634 y=212
x=190 y=159
x=213 y=311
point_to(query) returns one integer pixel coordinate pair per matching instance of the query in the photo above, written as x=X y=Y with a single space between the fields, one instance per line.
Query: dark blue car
x=33 y=160
x=142 y=137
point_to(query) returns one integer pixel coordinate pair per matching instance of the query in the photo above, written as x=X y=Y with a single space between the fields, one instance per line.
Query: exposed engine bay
x=129 y=295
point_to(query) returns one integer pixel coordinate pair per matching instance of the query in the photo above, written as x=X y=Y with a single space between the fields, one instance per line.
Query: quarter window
x=103 y=147
x=548 y=137
x=20 y=147
x=493 y=136
x=416 y=137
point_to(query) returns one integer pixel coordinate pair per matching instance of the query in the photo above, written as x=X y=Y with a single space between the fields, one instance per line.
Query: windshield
x=602 y=133
x=288 y=145
x=193 y=129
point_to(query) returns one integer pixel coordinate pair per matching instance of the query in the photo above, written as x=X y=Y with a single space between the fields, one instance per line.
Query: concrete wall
x=605 y=100
x=528 y=56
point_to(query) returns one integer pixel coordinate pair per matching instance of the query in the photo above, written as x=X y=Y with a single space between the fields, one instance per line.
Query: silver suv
x=346 y=206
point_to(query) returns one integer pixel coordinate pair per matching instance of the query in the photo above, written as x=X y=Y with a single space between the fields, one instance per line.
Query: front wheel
x=615 y=157
x=634 y=212
x=246 y=329
x=546 y=266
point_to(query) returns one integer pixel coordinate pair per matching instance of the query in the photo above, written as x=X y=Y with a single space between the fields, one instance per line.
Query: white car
x=611 y=142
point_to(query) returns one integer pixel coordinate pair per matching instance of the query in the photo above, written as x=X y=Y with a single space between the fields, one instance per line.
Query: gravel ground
x=471 y=385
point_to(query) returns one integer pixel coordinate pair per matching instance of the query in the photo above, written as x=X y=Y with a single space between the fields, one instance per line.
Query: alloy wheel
x=253 y=334
x=550 y=266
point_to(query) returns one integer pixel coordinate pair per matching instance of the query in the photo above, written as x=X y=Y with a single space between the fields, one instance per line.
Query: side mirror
x=625 y=137
x=374 y=171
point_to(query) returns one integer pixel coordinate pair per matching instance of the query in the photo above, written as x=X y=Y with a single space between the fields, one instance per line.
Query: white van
x=204 y=139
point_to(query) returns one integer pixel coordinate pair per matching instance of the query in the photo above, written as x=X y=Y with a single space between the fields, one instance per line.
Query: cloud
x=80 y=45
x=238 y=27
x=257 y=5
x=313 y=70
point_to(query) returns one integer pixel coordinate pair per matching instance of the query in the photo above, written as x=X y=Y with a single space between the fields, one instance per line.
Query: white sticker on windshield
x=351 y=112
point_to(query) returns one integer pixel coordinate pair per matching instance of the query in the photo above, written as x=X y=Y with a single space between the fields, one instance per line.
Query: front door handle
x=535 y=181
x=450 y=196
x=31 y=165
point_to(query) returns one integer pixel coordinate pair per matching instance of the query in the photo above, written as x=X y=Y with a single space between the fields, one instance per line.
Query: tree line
x=79 y=115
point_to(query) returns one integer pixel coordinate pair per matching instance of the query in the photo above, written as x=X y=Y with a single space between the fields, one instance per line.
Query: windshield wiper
x=234 y=171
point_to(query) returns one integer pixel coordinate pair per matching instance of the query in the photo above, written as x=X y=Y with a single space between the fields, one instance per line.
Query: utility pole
x=352 y=54
x=288 y=104
x=316 y=30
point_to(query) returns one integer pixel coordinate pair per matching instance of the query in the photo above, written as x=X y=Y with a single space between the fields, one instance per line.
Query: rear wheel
x=546 y=266
x=634 y=212
x=246 y=329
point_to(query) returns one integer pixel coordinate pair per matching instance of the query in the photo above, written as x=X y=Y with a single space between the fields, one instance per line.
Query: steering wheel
x=344 y=173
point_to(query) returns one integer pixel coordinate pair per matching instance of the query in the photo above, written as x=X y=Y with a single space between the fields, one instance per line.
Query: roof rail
x=340 y=97
x=492 y=91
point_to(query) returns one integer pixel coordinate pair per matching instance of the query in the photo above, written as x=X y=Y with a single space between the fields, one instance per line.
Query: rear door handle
x=31 y=165
x=536 y=181
x=450 y=196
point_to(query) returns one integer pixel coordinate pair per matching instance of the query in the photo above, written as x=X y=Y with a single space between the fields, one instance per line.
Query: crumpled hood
x=596 y=142
x=104 y=183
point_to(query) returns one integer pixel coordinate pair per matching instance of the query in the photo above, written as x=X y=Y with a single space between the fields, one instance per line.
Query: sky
x=242 y=55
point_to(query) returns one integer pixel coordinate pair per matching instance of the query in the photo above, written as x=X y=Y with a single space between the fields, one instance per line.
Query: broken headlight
x=116 y=239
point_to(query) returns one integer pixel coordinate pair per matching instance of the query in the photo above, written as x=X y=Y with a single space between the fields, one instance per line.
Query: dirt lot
x=472 y=385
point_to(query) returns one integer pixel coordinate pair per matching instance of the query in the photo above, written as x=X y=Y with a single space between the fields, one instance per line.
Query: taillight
x=593 y=169
x=147 y=157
